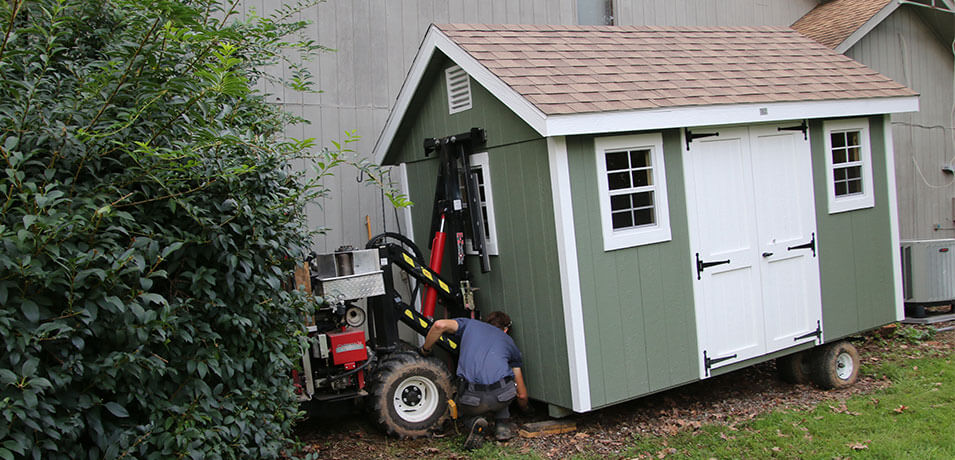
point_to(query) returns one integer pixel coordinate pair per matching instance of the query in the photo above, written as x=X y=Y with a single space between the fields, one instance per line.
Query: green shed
x=663 y=204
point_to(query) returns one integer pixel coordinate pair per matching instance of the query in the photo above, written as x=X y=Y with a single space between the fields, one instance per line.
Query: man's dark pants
x=476 y=400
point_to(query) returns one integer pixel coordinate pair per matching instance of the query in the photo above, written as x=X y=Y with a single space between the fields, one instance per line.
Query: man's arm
x=439 y=327
x=521 y=389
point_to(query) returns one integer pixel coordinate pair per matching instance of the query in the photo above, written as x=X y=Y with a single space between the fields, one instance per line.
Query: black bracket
x=810 y=245
x=709 y=362
x=817 y=333
x=690 y=136
x=700 y=265
x=804 y=127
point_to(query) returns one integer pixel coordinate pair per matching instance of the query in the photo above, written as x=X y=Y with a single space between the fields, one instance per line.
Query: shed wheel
x=410 y=396
x=794 y=368
x=835 y=365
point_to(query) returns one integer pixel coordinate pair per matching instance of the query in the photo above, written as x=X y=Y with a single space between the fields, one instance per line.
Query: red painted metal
x=348 y=346
x=437 y=256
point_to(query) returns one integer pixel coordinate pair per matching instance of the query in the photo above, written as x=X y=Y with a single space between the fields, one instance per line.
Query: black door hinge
x=810 y=245
x=804 y=127
x=700 y=265
x=709 y=362
x=817 y=333
x=690 y=136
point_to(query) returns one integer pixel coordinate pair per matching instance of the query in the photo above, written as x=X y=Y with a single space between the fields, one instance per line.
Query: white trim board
x=569 y=274
x=893 y=217
x=864 y=30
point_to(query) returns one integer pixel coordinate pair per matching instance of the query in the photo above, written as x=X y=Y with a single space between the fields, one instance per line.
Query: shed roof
x=833 y=23
x=565 y=80
x=568 y=70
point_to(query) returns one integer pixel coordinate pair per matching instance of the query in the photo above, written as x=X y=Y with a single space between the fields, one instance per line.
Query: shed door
x=749 y=193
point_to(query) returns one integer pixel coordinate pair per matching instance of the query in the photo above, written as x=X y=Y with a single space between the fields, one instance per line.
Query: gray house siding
x=524 y=280
x=637 y=302
x=375 y=42
x=905 y=48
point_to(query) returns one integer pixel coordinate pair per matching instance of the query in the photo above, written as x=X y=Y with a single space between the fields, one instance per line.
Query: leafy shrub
x=149 y=219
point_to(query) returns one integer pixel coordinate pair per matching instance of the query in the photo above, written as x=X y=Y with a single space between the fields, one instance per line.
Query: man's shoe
x=476 y=436
x=504 y=431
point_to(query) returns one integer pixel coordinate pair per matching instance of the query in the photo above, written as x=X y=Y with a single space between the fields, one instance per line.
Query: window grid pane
x=846 y=162
x=630 y=180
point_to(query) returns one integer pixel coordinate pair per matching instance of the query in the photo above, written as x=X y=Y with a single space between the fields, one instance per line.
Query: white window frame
x=863 y=200
x=450 y=75
x=637 y=236
x=480 y=162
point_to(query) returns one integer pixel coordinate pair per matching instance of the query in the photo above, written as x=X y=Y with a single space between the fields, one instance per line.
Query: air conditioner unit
x=928 y=271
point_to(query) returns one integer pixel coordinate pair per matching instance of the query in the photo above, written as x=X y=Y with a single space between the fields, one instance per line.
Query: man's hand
x=424 y=352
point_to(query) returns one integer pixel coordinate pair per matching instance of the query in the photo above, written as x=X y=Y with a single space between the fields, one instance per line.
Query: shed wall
x=637 y=302
x=904 y=48
x=524 y=280
x=855 y=248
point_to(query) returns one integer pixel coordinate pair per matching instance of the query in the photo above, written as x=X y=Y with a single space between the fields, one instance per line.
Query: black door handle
x=767 y=254
x=810 y=245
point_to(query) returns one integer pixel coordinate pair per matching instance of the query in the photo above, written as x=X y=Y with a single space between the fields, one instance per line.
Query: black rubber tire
x=794 y=368
x=834 y=365
x=410 y=395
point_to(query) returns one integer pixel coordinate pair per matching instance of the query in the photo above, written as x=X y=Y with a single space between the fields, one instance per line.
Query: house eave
x=684 y=117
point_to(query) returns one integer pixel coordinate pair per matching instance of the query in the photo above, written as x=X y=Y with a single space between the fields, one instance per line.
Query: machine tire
x=834 y=365
x=410 y=395
x=794 y=368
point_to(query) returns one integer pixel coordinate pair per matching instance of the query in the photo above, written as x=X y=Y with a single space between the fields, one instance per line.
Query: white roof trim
x=709 y=115
x=867 y=27
x=435 y=39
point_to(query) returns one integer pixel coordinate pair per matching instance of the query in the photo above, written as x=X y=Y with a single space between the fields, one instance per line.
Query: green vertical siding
x=524 y=280
x=639 y=319
x=855 y=248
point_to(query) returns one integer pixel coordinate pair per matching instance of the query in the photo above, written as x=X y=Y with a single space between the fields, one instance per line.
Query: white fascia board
x=682 y=117
x=867 y=27
x=435 y=39
x=569 y=274
x=893 y=218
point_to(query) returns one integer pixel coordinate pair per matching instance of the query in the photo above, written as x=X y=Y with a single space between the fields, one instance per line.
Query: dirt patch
x=728 y=399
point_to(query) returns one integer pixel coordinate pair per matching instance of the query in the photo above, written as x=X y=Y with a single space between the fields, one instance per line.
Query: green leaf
x=30 y=310
x=29 y=367
x=7 y=376
x=6 y=454
x=116 y=409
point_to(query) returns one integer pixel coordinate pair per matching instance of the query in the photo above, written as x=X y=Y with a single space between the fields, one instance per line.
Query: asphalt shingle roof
x=831 y=23
x=584 y=69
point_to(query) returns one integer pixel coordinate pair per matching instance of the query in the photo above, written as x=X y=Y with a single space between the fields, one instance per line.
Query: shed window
x=459 y=89
x=849 y=163
x=632 y=187
x=479 y=164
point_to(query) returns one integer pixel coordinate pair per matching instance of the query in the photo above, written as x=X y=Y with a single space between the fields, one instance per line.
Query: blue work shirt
x=487 y=353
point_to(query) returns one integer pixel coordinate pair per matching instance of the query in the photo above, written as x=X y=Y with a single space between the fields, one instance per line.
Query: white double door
x=752 y=236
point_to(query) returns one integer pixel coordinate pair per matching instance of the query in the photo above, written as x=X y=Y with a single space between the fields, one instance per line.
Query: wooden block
x=303 y=279
x=547 y=428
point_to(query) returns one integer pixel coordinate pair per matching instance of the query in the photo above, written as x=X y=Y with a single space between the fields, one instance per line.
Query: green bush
x=150 y=217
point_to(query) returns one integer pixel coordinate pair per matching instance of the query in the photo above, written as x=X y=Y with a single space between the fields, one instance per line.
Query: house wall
x=524 y=280
x=855 y=248
x=375 y=42
x=905 y=48
x=638 y=309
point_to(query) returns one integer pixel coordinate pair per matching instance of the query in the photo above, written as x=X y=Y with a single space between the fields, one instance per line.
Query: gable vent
x=459 y=89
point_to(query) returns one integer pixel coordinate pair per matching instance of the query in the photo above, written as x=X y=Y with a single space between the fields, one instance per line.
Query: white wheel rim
x=416 y=399
x=844 y=366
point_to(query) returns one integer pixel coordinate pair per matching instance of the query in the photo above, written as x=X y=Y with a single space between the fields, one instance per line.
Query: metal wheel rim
x=844 y=366
x=424 y=408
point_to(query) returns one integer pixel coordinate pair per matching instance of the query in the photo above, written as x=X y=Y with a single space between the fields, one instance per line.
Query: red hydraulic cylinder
x=437 y=256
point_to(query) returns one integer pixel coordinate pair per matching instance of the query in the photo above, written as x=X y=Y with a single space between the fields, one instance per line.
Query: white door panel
x=749 y=200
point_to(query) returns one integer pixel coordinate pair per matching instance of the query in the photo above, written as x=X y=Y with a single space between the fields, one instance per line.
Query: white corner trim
x=569 y=273
x=610 y=122
x=435 y=39
x=893 y=204
x=861 y=32
x=406 y=221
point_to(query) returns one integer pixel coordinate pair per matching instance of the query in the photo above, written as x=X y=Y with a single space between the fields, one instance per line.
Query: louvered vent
x=459 y=89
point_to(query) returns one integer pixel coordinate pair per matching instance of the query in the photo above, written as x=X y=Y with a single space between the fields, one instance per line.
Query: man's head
x=500 y=320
